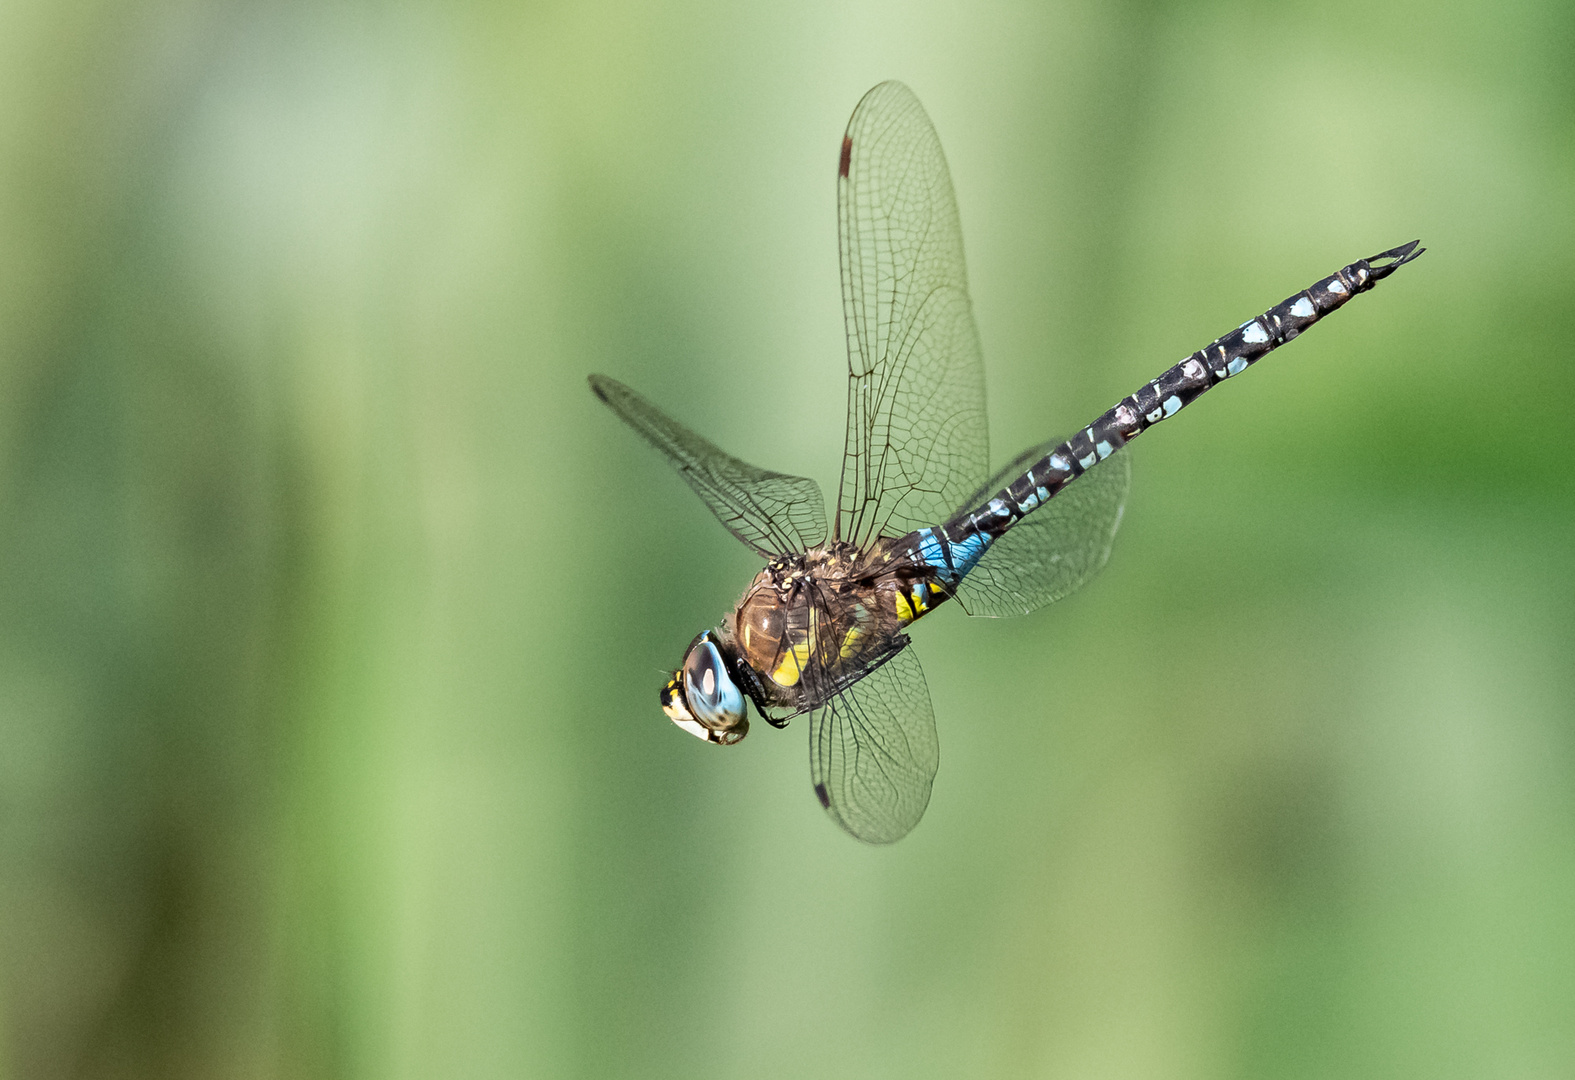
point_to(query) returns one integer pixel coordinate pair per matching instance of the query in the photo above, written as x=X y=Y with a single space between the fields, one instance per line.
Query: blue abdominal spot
x=967 y=552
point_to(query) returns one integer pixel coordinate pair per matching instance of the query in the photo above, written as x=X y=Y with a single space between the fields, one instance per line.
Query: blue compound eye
x=709 y=690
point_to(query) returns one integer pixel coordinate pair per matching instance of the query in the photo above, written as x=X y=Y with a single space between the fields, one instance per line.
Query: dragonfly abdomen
x=1232 y=354
x=955 y=548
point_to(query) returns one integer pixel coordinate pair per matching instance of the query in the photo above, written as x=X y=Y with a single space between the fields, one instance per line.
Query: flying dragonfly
x=822 y=629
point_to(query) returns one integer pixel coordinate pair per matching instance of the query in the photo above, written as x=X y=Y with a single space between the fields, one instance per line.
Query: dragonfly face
x=822 y=630
x=702 y=697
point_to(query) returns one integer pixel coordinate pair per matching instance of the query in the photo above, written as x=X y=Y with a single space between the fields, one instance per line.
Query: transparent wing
x=771 y=512
x=873 y=752
x=917 y=440
x=1056 y=548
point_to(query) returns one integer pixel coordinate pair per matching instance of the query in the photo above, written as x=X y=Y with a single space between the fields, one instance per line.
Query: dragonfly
x=822 y=630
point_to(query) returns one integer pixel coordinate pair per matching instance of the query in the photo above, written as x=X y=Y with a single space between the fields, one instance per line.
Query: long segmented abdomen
x=956 y=547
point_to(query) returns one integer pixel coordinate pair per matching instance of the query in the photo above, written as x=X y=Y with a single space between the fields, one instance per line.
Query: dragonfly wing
x=771 y=512
x=1055 y=549
x=873 y=752
x=917 y=440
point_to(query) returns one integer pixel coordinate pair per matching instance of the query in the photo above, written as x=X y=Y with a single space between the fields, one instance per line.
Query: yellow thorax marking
x=791 y=668
x=850 y=642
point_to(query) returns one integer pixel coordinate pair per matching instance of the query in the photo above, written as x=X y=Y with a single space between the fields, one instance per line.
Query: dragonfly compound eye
x=710 y=699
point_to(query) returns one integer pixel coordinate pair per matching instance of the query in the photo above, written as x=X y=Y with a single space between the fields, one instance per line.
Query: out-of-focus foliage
x=333 y=607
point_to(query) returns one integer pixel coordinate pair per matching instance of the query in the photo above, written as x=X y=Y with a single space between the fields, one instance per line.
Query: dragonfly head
x=702 y=697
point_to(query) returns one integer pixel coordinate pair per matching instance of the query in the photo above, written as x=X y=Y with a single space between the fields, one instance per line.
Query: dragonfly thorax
x=809 y=623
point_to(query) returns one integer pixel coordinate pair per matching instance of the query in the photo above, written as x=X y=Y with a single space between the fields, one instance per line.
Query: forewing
x=873 y=752
x=771 y=512
x=917 y=440
x=1056 y=548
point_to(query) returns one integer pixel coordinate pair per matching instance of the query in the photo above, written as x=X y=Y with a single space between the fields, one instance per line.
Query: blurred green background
x=333 y=607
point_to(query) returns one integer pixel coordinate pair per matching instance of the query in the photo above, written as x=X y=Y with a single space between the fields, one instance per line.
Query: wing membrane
x=917 y=440
x=873 y=751
x=1056 y=548
x=774 y=513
